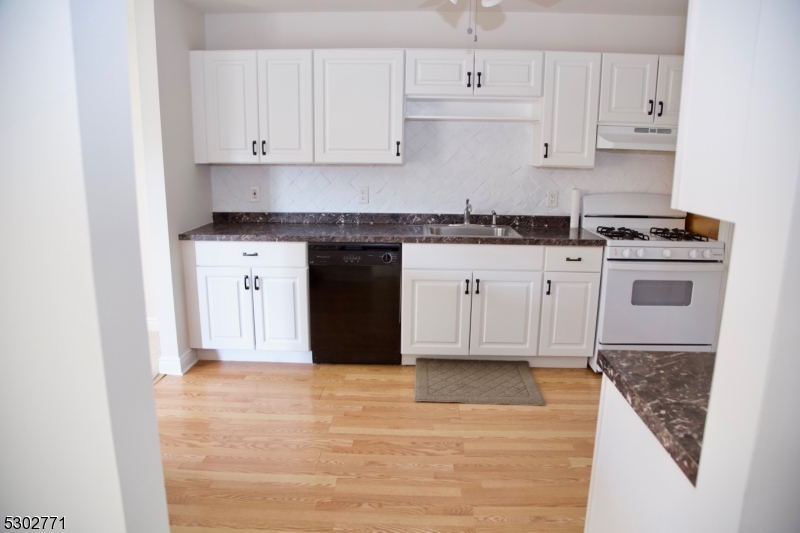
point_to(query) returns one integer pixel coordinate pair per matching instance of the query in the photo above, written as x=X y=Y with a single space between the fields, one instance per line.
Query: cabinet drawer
x=253 y=254
x=573 y=258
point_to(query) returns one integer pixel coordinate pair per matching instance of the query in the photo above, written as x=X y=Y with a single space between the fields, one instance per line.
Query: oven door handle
x=664 y=266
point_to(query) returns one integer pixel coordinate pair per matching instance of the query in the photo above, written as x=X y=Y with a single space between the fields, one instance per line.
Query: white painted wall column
x=79 y=436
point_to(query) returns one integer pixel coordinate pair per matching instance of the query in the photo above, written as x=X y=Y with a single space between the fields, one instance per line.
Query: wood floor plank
x=265 y=447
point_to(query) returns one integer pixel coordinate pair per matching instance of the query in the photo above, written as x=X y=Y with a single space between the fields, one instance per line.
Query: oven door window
x=662 y=292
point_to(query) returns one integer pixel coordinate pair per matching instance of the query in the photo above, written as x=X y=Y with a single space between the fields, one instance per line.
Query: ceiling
x=595 y=7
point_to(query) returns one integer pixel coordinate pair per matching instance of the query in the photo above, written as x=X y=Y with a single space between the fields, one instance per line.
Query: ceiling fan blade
x=490 y=3
x=454 y=1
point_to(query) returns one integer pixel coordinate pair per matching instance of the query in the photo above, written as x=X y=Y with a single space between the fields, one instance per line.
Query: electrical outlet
x=552 y=198
x=363 y=194
x=255 y=193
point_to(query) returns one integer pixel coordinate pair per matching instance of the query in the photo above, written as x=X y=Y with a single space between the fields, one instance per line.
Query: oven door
x=660 y=303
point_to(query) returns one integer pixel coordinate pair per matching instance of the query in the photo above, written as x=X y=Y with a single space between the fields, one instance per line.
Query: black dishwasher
x=355 y=303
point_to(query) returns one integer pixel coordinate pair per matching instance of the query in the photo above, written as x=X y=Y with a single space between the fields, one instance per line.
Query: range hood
x=661 y=139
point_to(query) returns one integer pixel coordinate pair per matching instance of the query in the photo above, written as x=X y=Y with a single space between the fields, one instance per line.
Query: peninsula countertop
x=669 y=391
x=390 y=228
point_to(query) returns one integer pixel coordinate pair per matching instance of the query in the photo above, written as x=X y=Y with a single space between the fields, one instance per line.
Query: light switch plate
x=255 y=193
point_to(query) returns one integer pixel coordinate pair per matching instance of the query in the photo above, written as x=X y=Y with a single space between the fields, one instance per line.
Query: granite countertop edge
x=383 y=229
x=688 y=464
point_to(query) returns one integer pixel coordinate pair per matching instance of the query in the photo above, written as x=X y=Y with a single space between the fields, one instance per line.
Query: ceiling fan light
x=489 y=3
x=454 y=1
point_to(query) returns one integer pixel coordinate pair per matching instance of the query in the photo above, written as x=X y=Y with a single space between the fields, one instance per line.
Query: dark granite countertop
x=669 y=391
x=390 y=228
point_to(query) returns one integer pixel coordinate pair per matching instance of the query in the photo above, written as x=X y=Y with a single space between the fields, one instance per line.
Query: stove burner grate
x=677 y=234
x=618 y=234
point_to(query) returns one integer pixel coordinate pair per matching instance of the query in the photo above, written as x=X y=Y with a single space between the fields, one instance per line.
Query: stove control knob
x=667 y=253
x=386 y=258
x=707 y=254
x=693 y=254
x=626 y=252
x=640 y=252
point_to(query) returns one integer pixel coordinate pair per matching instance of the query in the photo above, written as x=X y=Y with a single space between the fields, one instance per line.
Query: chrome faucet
x=467 y=212
x=494 y=217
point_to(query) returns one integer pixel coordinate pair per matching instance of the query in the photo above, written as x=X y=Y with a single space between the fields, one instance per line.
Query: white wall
x=79 y=436
x=445 y=163
x=150 y=296
x=749 y=475
x=186 y=186
x=537 y=31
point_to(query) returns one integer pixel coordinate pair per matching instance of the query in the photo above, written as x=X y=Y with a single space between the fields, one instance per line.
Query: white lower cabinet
x=226 y=307
x=280 y=302
x=569 y=313
x=505 y=313
x=246 y=296
x=435 y=317
x=465 y=312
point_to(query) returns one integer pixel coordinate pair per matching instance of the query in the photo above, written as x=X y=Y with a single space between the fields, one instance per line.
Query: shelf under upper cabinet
x=473 y=108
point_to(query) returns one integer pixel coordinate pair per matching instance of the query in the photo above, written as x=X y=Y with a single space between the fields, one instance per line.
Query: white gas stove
x=660 y=288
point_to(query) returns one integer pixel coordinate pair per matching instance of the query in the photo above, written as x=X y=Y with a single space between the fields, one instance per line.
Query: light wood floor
x=280 y=447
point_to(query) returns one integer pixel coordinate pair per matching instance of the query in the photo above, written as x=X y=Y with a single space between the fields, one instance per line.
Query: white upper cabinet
x=508 y=73
x=285 y=115
x=231 y=106
x=569 y=125
x=480 y=73
x=628 y=88
x=436 y=312
x=641 y=89
x=668 y=90
x=358 y=106
x=439 y=72
x=505 y=313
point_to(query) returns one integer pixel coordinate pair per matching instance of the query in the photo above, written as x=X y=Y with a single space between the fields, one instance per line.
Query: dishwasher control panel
x=354 y=254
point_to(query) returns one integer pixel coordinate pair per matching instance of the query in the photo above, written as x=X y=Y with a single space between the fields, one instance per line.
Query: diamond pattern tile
x=445 y=163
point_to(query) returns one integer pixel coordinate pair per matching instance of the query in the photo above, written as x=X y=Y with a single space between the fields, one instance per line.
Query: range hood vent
x=637 y=138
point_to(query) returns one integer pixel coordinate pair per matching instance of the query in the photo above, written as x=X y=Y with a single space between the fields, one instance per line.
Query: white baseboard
x=534 y=362
x=180 y=366
x=261 y=356
x=152 y=324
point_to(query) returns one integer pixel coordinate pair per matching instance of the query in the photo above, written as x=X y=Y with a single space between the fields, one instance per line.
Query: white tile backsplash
x=445 y=163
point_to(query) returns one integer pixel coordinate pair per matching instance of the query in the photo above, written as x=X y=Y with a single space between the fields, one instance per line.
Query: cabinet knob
x=469 y=79
x=247 y=283
x=466 y=291
x=545 y=150
x=398 y=149
x=254 y=148
x=477 y=286
x=255 y=282
x=479 y=81
x=660 y=108
x=650 y=112
x=548 y=287
x=263 y=147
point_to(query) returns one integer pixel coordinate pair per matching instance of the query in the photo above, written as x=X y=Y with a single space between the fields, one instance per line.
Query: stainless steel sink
x=470 y=230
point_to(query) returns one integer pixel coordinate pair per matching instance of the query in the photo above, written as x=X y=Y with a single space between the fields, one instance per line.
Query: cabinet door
x=628 y=88
x=285 y=101
x=358 y=106
x=505 y=313
x=231 y=90
x=508 y=72
x=440 y=72
x=226 y=307
x=280 y=300
x=668 y=92
x=569 y=125
x=569 y=313
x=436 y=312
